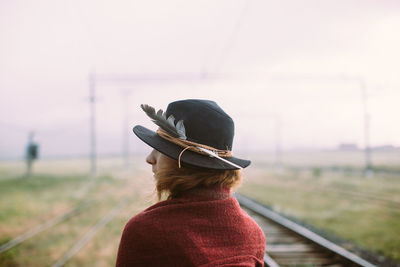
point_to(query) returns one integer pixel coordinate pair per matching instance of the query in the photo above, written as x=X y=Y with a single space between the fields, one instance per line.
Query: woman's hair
x=173 y=181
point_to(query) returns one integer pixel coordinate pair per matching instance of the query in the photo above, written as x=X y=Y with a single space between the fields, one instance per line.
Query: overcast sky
x=300 y=61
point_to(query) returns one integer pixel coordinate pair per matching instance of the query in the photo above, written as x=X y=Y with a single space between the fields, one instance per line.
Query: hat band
x=192 y=146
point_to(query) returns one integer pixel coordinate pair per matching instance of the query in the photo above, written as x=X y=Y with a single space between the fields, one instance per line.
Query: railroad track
x=290 y=244
x=91 y=233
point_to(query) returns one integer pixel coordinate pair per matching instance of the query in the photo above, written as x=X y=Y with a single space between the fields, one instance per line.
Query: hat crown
x=205 y=122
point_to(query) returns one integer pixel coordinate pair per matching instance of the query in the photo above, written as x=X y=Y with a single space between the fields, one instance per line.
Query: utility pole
x=92 y=100
x=367 y=150
x=125 y=127
x=278 y=125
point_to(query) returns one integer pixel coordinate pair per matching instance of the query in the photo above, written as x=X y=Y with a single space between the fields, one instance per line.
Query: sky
x=291 y=73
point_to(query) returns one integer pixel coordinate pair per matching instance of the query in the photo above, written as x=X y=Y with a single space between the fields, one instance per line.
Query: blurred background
x=313 y=88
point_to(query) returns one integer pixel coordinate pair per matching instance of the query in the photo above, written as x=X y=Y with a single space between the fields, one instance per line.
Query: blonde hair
x=172 y=181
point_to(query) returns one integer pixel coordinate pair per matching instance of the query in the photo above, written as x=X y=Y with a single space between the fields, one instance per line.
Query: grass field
x=340 y=201
x=337 y=202
x=28 y=202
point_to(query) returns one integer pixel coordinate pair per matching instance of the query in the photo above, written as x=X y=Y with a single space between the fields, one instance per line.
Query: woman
x=199 y=223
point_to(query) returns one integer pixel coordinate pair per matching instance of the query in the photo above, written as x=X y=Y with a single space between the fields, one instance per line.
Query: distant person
x=200 y=223
x=31 y=153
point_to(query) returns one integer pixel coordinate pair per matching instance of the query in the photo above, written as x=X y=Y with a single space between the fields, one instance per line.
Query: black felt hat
x=204 y=123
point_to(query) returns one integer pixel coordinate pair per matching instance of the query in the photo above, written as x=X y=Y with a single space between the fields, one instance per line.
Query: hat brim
x=188 y=157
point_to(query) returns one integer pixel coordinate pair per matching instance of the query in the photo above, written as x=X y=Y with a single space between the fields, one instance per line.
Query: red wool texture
x=192 y=231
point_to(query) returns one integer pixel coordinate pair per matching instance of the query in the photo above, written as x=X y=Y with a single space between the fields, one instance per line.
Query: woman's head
x=172 y=181
x=192 y=147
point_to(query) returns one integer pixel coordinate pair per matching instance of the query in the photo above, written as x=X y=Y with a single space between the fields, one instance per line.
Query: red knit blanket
x=192 y=231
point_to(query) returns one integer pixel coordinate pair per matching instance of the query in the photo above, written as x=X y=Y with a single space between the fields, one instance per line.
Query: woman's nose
x=150 y=159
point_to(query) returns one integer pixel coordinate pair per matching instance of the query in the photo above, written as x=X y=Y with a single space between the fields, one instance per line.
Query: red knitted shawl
x=193 y=230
